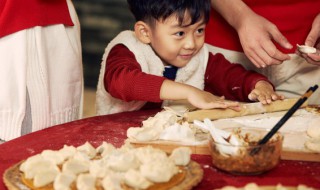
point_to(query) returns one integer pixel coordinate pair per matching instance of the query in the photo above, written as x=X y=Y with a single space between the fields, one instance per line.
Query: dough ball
x=306 y=49
x=313 y=145
x=314 y=128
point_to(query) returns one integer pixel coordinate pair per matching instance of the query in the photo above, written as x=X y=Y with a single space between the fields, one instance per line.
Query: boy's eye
x=179 y=34
x=200 y=30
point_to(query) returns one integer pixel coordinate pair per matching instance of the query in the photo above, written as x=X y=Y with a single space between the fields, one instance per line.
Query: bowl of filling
x=236 y=150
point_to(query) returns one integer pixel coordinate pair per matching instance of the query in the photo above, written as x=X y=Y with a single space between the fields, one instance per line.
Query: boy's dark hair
x=151 y=10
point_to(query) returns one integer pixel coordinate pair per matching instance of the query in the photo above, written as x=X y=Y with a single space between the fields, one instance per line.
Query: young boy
x=165 y=59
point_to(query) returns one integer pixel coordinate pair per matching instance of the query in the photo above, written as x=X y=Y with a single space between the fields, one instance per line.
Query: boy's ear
x=142 y=31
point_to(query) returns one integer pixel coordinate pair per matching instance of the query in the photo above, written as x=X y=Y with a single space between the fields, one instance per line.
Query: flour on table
x=297 y=123
x=295 y=128
x=169 y=126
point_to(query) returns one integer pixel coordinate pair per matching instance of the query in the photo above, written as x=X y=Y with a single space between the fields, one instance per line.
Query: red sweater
x=123 y=78
x=292 y=17
x=16 y=15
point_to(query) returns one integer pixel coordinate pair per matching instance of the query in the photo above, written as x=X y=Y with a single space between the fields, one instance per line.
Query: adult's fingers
x=265 y=54
x=314 y=58
x=314 y=33
x=274 y=56
x=277 y=36
x=254 y=58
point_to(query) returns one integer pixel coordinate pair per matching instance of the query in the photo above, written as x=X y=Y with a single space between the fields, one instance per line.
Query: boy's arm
x=171 y=90
x=124 y=79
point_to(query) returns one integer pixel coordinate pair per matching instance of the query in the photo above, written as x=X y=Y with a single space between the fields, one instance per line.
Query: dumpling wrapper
x=306 y=49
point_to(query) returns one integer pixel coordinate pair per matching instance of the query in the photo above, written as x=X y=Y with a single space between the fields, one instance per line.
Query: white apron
x=192 y=74
x=41 y=78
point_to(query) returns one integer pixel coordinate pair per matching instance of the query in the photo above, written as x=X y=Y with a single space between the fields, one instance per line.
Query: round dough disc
x=313 y=145
x=306 y=49
x=314 y=128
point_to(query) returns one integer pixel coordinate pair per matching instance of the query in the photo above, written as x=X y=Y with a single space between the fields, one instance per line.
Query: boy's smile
x=177 y=43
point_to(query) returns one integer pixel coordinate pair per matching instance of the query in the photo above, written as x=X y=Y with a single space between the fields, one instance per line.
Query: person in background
x=262 y=36
x=41 y=75
x=165 y=59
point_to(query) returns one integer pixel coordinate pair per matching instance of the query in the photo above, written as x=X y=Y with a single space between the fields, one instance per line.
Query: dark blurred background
x=101 y=21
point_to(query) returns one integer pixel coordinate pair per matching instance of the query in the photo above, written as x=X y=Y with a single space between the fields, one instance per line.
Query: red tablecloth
x=112 y=128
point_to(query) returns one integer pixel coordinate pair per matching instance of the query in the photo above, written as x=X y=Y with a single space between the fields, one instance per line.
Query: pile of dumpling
x=107 y=166
x=165 y=125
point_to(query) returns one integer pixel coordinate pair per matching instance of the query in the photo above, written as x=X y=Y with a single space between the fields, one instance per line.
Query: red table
x=112 y=128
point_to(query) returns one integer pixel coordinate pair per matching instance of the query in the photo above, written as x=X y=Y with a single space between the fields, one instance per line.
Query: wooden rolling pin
x=246 y=109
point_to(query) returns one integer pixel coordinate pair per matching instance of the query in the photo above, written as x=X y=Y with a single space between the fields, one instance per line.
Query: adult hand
x=256 y=34
x=313 y=40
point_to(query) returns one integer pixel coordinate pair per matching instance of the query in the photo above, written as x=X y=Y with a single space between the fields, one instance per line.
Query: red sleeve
x=124 y=79
x=233 y=81
x=16 y=15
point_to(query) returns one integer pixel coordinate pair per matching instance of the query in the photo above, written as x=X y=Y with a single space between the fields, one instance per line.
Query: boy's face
x=176 y=44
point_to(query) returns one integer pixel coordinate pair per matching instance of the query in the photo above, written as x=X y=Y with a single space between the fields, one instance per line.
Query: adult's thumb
x=312 y=37
x=314 y=33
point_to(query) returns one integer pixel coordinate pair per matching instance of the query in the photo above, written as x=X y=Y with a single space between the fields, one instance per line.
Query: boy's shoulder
x=217 y=58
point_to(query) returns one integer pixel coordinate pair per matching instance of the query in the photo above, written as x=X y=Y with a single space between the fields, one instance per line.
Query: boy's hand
x=264 y=93
x=206 y=100
x=171 y=90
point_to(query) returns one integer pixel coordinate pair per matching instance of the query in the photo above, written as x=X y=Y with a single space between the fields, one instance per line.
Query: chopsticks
x=290 y=112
